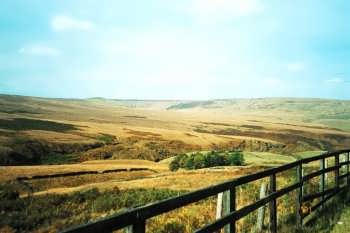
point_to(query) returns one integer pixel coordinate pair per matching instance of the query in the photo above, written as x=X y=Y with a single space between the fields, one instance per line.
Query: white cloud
x=40 y=50
x=335 y=80
x=209 y=11
x=163 y=52
x=158 y=61
x=295 y=67
x=65 y=23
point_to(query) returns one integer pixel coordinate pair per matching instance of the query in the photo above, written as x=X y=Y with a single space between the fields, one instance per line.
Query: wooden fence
x=136 y=218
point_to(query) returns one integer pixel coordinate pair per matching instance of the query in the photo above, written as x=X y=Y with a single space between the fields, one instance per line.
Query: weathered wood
x=128 y=229
x=122 y=220
x=299 y=176
x=320 y=172
x=324 y=155
x=229 y=205
x=219 y=206
x=139 y=227
x=327 y=163
x=138 y=216
x=261 y=210
x=336 y=171
x=218 y=224
x=322 y=178
x=313 y=196
x=273 y=205
x=226 y=208
x=233 y=208
x=348 y=168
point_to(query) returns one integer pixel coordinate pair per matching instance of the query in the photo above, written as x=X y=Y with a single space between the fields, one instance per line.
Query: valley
x=89 y=153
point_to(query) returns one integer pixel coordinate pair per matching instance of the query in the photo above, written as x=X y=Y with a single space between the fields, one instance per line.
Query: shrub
x=189 y=162
x=177 y=162
x=106 y=138
x=174 y=165
x=198 y=161
x=211 y=159
x=236 y=158
x=8 y=192
x=50 y=213
x=172 y=227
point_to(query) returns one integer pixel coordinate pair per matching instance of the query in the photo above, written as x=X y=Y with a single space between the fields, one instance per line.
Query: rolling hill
x=37 y=130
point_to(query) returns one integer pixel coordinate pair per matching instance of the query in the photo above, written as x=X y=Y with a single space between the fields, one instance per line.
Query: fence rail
x=137 y=217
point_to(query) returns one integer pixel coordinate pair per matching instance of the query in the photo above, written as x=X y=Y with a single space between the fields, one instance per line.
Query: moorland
x=83 y=159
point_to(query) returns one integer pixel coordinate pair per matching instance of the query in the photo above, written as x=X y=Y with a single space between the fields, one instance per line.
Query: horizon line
x=173 y=100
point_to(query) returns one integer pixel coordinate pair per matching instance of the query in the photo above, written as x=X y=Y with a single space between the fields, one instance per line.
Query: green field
x=307 y=154
x=266 y=158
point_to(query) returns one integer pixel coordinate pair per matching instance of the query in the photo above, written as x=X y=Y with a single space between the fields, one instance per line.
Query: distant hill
x=191 y=104
x=42 y=130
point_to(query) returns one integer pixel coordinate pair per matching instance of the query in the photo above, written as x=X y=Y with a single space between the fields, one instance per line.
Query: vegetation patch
x=142 y=133
x=216 y=123
x=252 y=127
x=56 y=212
x=210 y=159
x=106 y=138
x=56 y=158
x=135 y=116
x=33 y=124
x=191 y=104
x=21 y=150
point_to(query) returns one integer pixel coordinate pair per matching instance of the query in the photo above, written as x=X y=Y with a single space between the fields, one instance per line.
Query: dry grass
x=182 y=180
x=288 y=124
x=147 y=121
x=12 y=172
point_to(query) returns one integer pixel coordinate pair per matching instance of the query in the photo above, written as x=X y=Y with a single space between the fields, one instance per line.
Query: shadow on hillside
x=32 y=124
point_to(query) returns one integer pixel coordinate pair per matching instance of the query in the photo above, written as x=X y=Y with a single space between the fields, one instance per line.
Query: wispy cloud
x=335 y=80
x=295 y=66
x=40 y=50
x=209 y=11
x=65 y=23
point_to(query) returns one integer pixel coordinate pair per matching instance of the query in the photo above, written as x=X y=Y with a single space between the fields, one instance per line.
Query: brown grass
x=12 y=172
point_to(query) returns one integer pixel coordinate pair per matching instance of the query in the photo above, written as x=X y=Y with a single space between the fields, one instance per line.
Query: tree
x=198 y=161
x=174 y=165
x=235 y=158
x=189 y=162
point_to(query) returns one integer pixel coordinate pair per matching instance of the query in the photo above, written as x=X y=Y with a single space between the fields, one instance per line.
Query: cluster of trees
x=211 y=159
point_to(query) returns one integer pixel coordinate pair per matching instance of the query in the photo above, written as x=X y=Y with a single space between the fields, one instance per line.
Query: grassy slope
x=147 y=130
x=343 y=223
x=266 y=158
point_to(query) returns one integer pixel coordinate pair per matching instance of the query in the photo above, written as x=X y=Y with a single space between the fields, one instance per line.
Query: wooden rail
x=137 y=217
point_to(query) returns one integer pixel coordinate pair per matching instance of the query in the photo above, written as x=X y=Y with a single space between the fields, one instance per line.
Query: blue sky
x=184 y=49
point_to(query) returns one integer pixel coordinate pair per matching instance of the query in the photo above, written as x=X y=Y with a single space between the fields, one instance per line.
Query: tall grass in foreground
x=50 y=213
x=55 y=212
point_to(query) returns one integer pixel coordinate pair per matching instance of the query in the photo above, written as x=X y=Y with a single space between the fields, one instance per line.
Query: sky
x=183 y=49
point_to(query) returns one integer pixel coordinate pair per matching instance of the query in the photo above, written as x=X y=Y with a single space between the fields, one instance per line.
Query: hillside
x=41 y=130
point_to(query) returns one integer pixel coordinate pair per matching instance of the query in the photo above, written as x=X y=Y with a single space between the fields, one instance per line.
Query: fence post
x=347 y=169
x=128 y=229
x=336 y=171
x=139 y=227
x=322 y=178
x=273 y=206
x=261 y=210
x=229 y=205
x=219 y=206
x=299 y=174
